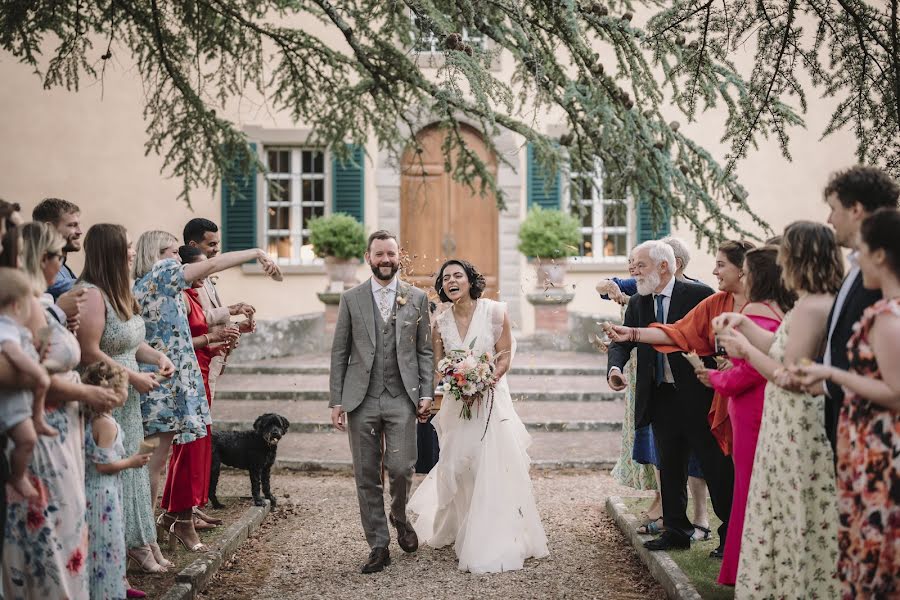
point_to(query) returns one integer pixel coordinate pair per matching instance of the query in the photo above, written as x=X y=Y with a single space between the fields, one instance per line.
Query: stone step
x=536 y=388
x=314 y=416
x=549 y=450
x=526 y=363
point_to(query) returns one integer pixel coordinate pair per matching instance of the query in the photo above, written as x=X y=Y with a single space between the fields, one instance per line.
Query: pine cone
x=468 y=49
x=627 y=16
x=453 y=41
x=598 y=69
x=599 y=9
x=648 y=114
x=680 y=40
x=566 y=139
x=684 y=169
x=674 y=125
x=629 y=104
x=659 y=146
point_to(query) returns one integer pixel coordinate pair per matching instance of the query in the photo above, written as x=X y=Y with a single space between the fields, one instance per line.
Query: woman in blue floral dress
x=177 y=411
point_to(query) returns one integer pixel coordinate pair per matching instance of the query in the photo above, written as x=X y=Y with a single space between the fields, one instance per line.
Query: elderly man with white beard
x=669 y=396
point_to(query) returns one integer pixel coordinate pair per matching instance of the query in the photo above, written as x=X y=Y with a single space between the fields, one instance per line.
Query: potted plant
x=341 y=241
x=549 y=237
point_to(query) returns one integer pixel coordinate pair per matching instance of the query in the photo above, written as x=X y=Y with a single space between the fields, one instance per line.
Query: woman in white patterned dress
x=479 y=495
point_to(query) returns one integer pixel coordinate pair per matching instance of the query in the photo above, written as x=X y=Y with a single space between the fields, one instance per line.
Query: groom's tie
x=384 y=304
x=660 y=357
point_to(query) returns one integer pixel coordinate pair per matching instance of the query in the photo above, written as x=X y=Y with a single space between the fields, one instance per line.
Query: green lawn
x=696 y=563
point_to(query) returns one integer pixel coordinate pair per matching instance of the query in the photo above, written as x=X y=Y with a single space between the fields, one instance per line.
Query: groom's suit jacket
x=353 y=350
x=640 y=313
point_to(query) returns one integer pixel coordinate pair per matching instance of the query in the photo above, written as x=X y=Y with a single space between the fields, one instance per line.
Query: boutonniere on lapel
x=402 y=295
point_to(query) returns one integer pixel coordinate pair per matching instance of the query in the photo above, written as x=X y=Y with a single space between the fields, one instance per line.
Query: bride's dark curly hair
x=476 y=279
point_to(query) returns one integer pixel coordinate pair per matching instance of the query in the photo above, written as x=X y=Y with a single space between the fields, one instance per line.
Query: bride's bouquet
x=467 y=376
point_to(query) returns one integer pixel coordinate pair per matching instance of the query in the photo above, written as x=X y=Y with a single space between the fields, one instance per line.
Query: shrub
x=337 y=235
x=549 y=234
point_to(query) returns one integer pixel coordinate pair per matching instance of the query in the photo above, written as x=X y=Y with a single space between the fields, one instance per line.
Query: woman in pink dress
x=744 y=387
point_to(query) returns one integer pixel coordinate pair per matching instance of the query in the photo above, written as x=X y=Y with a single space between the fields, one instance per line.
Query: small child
x=21 y=411
x=104 y=459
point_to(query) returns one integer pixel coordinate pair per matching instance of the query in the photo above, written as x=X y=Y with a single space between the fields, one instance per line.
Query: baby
x=22 y=410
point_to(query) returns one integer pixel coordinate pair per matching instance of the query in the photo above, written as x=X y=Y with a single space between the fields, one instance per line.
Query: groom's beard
x=377 y=272
x=647 y=284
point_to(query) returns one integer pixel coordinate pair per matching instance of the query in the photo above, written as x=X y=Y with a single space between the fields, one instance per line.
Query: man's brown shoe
x=379 y=558
x=406 y=536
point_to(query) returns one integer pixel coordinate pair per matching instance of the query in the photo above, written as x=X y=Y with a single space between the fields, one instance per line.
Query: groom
x=382 y=371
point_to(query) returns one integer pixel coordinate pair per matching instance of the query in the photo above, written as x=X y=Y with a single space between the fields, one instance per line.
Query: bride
x=479 y=495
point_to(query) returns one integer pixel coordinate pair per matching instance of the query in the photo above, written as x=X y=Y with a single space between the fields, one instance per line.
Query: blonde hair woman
x=177 y=411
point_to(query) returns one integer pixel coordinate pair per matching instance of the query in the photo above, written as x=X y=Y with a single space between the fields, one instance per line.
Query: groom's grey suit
x=379 y=372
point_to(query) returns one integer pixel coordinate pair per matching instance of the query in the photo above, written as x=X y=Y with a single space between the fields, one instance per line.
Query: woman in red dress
x=187 y=478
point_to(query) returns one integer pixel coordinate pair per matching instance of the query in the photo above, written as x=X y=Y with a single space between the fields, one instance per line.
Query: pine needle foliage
x=608 y=77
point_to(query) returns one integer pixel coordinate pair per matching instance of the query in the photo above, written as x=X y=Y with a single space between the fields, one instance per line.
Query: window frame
x=295 y=203
x=598 y=219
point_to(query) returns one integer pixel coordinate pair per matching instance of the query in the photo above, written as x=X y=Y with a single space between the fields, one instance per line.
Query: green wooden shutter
x=645 y=229
x=542 y=191
x=348 y=184
x=239 y=208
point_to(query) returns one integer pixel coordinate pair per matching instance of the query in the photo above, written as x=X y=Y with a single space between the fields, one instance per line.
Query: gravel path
x=312 y=547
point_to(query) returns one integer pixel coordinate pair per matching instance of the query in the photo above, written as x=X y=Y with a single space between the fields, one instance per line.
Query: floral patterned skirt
x=45 y=548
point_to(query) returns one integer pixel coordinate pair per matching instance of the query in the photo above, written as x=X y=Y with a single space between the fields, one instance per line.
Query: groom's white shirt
x=377 y=287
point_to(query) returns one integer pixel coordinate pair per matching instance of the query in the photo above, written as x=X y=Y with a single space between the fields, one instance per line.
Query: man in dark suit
x=852 y=195
x=670 y=397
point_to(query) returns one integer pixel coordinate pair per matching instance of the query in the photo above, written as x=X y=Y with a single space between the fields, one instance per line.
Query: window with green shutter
x=543 y=189
x=348 y=184
x=239 y=208
x=646 y=230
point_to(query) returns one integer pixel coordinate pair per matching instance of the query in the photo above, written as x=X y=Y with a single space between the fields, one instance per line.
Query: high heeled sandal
x=199 y=514
x=162 y=527
x=198 y=547
x=158 y=555
x=145 y=561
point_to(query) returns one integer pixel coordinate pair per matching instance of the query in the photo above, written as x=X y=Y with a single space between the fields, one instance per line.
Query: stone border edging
x=194 y=578
x=660 y=564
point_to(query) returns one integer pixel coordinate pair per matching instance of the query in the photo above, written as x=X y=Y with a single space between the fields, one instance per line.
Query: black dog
x=251 y=450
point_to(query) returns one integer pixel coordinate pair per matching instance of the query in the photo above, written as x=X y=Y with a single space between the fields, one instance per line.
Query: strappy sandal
x=701 y=534
x=198 y=547
x=199 y=514
x=651 y=526
x=143 y=558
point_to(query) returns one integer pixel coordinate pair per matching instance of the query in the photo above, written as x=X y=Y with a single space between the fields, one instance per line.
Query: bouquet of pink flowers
x=466 y=377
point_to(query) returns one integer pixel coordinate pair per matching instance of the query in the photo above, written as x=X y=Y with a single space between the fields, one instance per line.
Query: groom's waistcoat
x=385 y=368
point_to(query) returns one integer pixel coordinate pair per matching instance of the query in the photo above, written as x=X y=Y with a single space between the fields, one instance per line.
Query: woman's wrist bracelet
x=206 y=337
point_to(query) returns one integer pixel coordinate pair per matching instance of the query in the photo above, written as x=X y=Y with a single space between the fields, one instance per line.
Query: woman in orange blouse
x=694 y=332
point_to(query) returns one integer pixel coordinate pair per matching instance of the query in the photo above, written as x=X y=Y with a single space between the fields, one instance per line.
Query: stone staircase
x=562 y=397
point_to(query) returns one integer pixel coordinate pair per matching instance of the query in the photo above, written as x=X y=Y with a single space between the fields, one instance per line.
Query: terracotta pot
x=341 y=273
x=550 y=273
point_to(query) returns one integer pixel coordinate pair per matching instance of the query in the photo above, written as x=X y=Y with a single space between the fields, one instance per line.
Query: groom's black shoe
x=379 y=558
x=667 y=541
x=406 y=536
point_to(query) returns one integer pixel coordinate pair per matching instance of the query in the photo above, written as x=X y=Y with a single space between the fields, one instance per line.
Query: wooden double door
x=441 y=218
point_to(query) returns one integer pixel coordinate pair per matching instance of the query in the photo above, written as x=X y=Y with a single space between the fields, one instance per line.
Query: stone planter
x=551 y=273
x=341 y=273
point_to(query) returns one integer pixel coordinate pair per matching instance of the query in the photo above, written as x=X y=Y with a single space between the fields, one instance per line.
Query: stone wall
x=301 y=334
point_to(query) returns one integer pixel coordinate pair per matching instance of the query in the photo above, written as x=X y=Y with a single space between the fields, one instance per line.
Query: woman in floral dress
x=112 y=332
x=177 y=411
x=789 y=543
x=45 y=547
x=868 y=443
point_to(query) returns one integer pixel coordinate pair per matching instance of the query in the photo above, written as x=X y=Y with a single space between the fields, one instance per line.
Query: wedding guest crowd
x=135 y=327
x=806 y=376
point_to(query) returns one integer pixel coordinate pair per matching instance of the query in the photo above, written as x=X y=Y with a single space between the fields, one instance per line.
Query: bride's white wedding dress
x=479 y=495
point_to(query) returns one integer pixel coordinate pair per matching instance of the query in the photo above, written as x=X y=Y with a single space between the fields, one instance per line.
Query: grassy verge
x=156 y=585
x=696 y=563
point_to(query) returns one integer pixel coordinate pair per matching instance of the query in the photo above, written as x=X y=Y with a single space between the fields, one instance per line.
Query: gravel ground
x=313 y=545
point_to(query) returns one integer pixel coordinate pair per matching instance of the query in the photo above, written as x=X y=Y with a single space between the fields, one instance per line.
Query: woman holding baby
x=45 y=550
